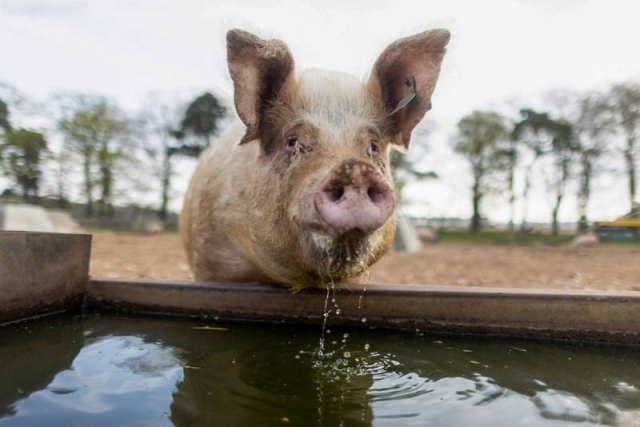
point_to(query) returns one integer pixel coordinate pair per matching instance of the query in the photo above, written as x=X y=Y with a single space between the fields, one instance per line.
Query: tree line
x=576 y=141
x=106 y=145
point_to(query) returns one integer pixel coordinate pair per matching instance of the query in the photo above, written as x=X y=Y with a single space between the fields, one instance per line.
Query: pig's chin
x=343 y=256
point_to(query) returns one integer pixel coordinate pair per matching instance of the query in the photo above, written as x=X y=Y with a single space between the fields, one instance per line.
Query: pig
x=298 y=191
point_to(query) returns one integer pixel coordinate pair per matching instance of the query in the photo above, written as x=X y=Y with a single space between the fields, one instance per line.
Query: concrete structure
x=42 y=273
x=406 y=238
x=573 y=316
x=21 y=217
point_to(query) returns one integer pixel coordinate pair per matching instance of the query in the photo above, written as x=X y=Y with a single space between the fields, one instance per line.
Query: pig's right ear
x=404 y=78
x=261 y=71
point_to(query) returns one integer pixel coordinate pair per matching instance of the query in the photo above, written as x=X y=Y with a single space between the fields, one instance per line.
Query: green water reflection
x=110 y=370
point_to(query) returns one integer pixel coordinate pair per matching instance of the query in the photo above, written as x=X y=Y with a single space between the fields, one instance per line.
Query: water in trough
x=117 y=370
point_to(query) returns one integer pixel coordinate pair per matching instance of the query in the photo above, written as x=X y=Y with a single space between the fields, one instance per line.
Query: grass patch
x=503 y=238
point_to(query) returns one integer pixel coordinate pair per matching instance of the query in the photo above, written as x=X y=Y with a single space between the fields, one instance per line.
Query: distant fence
x=129 y=218
x=121 y=218
x=1 y=216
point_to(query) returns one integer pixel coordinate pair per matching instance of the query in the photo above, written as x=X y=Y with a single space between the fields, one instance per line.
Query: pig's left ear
x=260 y=70
x=404 y=77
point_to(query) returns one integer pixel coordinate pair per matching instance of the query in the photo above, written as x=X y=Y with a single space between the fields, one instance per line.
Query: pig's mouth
x=339 y=245
x=344 y=255
x=350 y=241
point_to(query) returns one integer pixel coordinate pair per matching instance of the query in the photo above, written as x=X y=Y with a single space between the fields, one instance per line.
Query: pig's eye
x=292 y=143
x=373 y=149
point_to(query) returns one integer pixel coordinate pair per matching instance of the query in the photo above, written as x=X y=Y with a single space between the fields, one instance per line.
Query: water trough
x=43 y=273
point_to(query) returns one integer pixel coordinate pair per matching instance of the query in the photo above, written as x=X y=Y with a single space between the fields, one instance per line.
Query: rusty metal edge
x=579 y=316
x=405 y=289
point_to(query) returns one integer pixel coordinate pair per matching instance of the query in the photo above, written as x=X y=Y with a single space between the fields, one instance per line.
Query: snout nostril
x=375 y=195
x=336 y=193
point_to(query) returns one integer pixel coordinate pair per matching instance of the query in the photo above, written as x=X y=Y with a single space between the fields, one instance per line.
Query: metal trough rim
x=574 y=315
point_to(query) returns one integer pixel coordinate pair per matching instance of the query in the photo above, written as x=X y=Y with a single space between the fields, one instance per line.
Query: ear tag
x=410 y=82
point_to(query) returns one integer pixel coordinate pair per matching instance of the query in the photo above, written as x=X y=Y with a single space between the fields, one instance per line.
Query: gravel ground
x=606 y=267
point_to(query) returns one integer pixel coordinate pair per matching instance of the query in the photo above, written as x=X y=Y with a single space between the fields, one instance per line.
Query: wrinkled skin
x=298 y=191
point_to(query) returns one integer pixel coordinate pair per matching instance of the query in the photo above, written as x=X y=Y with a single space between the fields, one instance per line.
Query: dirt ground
x=606 y=267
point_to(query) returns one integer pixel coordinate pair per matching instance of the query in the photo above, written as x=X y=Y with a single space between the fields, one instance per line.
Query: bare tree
x=160 y=122
x=23 y=153
x=534 y=134
x=60 y=165
x=562 y=152
x=593 y=126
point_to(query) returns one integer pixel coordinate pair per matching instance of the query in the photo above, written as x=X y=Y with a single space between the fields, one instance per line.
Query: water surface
x=114 y=370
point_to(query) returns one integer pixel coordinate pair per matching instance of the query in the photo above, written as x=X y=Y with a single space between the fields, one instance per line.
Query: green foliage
x=540 y=133
x=483 y=138
x=96 y=131
x=5 y=128
x=480 y=138
x=625 y=99
x=98 y=135
x=23 y=154
x=202 y=121
x=498 y=237
x=533 y=121
x=5 y=124
x=546 y=136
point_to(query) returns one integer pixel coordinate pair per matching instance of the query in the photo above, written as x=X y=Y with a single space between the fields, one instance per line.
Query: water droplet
x=345 y=336
x=328 y=331
x=326 y=314
x=338 y=311
x=364 y=320
x=297 y=356
x=360 y=299
x=347 y=354
x=367 y=346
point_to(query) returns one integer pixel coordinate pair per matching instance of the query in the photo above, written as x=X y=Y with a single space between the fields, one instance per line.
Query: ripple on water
x=384 y=388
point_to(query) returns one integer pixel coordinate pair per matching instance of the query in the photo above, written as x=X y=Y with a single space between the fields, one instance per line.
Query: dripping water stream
x=325 y=317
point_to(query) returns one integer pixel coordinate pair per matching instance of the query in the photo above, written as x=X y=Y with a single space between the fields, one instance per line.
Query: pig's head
x=321 y=200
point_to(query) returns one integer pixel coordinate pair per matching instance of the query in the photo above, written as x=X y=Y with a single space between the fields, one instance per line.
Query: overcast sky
x=500 y=50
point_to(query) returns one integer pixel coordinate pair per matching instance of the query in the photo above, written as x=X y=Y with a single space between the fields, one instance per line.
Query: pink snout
x=355 y=196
